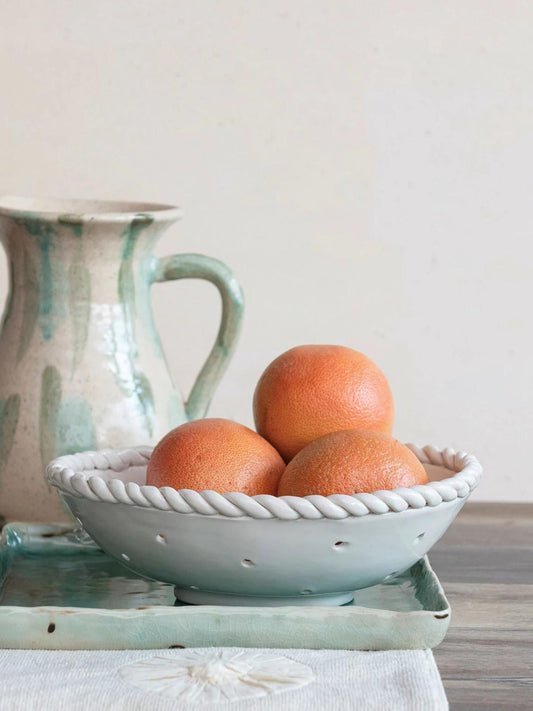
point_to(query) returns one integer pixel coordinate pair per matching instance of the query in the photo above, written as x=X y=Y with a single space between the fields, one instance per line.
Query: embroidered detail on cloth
x=209 y=676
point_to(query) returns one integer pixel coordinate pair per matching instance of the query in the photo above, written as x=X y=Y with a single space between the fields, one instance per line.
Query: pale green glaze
x=145 y=397
x=147 y=272
x=75 y=222
x=136 y=383
x=49 y=408
x=74 y=430
x=79 y=282
x=9 y=415
x=136 y=276
x=30 y=309
x=51 y=274
x=126 y=280
x=79 y=290
x=93 y=602
x=66 y=426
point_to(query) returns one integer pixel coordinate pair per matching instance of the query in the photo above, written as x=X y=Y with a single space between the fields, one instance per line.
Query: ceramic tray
x=59 y=591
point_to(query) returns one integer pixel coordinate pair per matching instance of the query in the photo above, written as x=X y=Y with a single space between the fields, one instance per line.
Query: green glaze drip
x=51 y=276
x=75 y=222
x=79 y=290
x=30 y=307
x=145 y=397
x=74 y=427
x=9 y=415
x=50 y=404
x=64 y=427
x=46 y=305
x=223 y=348
x=126 y=278
x=148 y=269
x=131 y=380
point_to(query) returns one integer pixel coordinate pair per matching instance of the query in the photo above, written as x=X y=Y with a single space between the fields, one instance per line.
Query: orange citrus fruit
x=215 y=454
x=310 y=391
x=351 y=462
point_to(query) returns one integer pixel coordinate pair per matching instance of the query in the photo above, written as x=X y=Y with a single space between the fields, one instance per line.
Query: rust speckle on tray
x=177 y=646
x=51 y=627
x=441 y=617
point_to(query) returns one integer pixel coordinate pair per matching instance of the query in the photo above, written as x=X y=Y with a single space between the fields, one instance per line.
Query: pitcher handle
x=198 y=266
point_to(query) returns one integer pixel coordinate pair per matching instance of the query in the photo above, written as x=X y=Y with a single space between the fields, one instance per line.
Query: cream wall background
x=365 y=168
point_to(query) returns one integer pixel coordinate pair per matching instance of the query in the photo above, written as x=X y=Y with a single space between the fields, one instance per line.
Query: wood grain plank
x=474 y=656
x=477 y=564
x=485 y=562
x=484 y=531
x=488 y=695
x=491 y=606
x=497 y=511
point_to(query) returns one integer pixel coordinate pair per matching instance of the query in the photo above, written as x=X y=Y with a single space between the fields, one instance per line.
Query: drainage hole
x=340 y=544
x=247 y=563
x=160 y=538
x=51 y=627
x=126 y=557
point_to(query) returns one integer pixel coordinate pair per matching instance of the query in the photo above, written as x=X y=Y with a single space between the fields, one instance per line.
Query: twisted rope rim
x=72 y=474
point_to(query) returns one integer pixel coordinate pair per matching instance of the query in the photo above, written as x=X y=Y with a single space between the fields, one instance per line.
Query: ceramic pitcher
x=81 y=364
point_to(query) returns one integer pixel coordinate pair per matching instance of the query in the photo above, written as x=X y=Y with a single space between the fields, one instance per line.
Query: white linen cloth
x=406 y=680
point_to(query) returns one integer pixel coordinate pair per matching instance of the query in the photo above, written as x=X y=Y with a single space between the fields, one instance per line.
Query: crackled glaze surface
x=82 y=364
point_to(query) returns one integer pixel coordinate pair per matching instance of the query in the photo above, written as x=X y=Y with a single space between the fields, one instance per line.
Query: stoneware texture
x=59 y=591
x=82 y=364
x=234 y=549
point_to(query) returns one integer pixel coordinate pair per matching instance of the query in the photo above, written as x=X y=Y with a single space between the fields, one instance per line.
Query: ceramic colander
x=235 y=549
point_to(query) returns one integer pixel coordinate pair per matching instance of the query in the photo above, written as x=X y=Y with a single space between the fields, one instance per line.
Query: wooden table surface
x=485 y=564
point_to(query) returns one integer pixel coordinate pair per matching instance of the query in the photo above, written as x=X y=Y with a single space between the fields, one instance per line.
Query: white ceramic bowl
x=235 y=549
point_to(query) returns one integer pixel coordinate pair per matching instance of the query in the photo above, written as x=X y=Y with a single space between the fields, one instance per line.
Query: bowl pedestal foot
x=201 y=597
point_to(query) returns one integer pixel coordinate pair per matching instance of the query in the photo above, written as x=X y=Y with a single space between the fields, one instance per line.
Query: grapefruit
x=351 y=462
x=310 y=391
x=215 y=454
